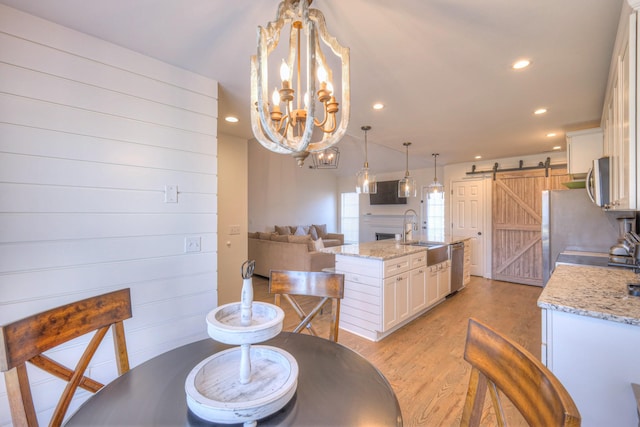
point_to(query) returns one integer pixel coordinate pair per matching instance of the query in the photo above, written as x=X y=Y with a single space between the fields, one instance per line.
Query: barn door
x=517 y=222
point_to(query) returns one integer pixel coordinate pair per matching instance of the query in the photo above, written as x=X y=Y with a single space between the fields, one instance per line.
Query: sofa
x=295 y=248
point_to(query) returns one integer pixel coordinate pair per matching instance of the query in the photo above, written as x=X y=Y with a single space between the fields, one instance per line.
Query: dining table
x=336 y=387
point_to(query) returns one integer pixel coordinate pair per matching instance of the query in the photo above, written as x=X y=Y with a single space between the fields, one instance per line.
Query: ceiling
x=441 y=67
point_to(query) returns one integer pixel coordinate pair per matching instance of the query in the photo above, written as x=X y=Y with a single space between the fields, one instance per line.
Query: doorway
x=467 y=218
x=517 y=224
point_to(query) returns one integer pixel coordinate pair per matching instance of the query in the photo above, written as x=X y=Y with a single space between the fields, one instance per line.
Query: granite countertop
x=592 y=291
x=380 y=249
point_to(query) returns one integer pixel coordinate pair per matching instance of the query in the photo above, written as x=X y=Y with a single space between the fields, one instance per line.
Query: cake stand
x=246 y=383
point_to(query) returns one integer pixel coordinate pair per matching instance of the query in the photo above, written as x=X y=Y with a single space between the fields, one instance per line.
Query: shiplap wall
x=90 y=134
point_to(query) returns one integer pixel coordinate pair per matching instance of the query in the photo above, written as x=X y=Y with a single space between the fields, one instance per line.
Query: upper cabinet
x=619 y=118
x=583 y=147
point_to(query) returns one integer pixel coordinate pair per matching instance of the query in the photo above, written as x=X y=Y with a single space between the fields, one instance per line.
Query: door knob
x=479 y=233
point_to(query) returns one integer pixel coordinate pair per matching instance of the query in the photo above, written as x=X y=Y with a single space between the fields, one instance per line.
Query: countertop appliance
x=571 y=222
x=456 y=256
x=626 y=253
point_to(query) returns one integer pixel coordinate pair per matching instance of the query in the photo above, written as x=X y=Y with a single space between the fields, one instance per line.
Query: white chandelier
x=287 y=126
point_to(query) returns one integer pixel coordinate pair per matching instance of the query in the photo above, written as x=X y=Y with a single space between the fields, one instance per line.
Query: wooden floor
x=423 y=361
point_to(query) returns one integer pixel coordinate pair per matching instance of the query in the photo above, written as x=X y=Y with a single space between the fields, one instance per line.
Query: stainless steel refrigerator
x=572 y=222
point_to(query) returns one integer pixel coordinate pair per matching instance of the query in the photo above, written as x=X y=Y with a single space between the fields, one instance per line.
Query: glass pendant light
x=407 y=185
x=366 y=182
x=435 y=188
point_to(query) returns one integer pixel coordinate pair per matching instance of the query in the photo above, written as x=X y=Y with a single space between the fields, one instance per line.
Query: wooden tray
x=223 y=323
x=214 y=391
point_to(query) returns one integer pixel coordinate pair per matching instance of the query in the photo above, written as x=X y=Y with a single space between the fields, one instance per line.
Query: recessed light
x=378 y=106
x=231 y=119
x=550 y=134
x=540 y=111
x=557 y=147
x=520 y=64
x=477 y=157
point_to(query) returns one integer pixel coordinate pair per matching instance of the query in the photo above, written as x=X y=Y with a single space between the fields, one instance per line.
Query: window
x=350 y=217
x=434 y=214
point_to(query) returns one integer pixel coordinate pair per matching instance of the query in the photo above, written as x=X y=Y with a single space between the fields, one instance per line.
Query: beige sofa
x=300 y=252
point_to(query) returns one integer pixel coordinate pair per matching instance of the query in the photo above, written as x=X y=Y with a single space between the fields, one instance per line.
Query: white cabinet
x=381 y=296
x=438 y=282
x=595 y=361
x=418 y=283
x=395 y=305
x=444 y=279
x=582 y=148
x=466 y=269
x=619 y=119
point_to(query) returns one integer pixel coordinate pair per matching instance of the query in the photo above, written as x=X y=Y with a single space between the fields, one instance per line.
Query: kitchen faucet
x=406 y=232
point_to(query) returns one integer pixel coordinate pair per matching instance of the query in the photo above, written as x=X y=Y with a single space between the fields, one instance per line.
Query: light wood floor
x=423 y=361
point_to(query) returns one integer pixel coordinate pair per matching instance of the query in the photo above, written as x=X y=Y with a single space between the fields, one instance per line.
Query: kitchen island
x=388 y=284
x=591 y=340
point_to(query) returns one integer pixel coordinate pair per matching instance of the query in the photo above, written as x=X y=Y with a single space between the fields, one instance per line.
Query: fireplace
x=385 y=236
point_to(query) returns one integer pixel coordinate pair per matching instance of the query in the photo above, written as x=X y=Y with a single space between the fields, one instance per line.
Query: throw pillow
x=284 y=230
x=301 y=230
x=313 y=233
x=321 y=230
x=254 y=235
x=264 y=236
x=279 y=238
x=319 y=244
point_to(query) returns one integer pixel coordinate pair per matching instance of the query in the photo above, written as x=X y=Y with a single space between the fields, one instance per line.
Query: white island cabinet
x=591 y=341
x=386 y=286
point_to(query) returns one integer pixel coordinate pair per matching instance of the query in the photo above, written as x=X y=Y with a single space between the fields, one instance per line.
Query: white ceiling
x=442 y=67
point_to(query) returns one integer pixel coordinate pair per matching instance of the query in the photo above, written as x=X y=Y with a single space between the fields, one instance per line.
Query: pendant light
x=366 y=182
x=407 y=185
x=435 y=188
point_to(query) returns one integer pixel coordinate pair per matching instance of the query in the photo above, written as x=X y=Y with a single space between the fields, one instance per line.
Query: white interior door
x=467 y=208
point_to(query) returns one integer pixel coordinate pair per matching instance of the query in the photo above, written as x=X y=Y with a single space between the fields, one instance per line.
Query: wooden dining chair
x=27 y=339
x=499 y=364
x=328 y=286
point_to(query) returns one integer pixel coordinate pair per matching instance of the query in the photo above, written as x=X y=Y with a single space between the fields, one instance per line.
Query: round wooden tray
x=214 y=391
x=224 y=325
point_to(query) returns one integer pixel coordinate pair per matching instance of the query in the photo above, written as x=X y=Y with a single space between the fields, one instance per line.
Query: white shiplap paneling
x=90 y=134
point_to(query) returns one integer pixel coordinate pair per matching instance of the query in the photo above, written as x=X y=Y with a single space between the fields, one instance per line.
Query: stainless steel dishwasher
x=456 y=255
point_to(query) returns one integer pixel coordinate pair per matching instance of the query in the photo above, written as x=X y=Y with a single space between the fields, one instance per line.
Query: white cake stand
x=246 y=383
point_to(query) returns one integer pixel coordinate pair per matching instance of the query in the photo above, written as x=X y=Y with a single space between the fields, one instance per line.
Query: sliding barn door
x=517 y=222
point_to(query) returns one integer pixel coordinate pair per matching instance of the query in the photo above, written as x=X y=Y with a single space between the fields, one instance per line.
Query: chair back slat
x=532 y=388
x=315 y=284
x=311 y=283
x=26 y=339
x=40 y=332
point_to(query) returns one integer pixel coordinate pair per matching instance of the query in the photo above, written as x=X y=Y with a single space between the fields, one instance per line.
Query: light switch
x=234 y=229
x=171 y=194
x=192 y=244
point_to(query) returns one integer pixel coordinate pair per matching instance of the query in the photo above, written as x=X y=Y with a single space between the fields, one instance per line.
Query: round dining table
x=336 y=387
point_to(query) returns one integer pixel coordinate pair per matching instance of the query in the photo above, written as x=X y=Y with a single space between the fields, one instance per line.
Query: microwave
x=597 y=182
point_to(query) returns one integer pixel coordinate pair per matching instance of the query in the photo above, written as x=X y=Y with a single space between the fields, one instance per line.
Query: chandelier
x=326 y=159
x=299 y=121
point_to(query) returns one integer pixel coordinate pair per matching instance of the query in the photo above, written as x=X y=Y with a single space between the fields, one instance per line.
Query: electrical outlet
x=171 y=194
x=234 y=229
x=192 y=244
